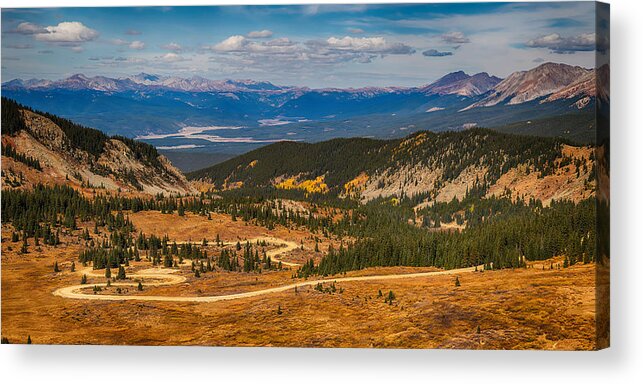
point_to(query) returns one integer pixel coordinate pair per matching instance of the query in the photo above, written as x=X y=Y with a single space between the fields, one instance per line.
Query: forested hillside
x=578 y=127
x=435 y=166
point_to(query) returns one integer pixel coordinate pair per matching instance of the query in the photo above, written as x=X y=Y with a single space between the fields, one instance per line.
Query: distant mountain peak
x=450 y=78
x=524 y=86
x=77 y=76
x=144 y=77
x=460 y=83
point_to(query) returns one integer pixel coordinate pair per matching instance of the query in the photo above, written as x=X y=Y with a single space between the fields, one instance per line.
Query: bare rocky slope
x=459 y=83
x=544 y=80
x=37 y=149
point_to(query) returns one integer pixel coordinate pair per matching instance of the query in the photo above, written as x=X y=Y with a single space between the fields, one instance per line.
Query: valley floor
x=528 y=308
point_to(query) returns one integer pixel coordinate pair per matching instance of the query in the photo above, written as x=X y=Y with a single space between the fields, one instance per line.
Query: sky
x=310 y=45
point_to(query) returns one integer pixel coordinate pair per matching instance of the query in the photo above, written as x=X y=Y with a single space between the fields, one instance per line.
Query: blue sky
x=316 y=46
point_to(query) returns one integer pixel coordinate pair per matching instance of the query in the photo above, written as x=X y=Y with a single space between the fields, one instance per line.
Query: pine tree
x=29 y=339
x=56 y=269
x=73 y=267
x=391 y=297
x=24 y=249
x=279 y=311
x=457 y=281
x=108 y=272
x=83 y=280
x=121 y=273
x=140 y=286
x=168 y=261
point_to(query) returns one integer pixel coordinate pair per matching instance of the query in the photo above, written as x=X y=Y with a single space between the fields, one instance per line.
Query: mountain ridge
x=460 y=83
x=525 y=86
x=428 y=167
x=58 y=151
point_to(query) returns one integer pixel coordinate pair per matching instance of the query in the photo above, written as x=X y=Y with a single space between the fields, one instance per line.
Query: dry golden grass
x=515 y=309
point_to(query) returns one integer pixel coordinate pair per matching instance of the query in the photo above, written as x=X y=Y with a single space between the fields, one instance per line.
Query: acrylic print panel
x=371 y=176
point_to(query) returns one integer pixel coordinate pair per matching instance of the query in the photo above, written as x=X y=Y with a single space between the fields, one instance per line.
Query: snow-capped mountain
x=143 y=82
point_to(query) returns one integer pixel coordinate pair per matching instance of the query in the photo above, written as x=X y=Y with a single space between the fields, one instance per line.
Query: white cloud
x=238 y=43
x=66 y=32
x=455 y=38
x=119 y=42
x=137 y=44
x=559 y=44
x=280 y=42
x=174 y=47
x=132 y=32
x=239 y=52
x=367 y=44
x=30 y=29
x=260 y=34
x=172 y=58
x=355 y=31
x=231 y=44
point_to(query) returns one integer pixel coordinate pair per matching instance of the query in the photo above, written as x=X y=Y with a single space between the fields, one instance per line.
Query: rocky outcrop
x=117 y=167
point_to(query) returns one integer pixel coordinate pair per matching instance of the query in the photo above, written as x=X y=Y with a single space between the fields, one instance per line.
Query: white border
x=622 y=363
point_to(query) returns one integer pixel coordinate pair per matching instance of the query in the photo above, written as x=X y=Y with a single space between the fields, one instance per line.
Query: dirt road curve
x=166 y=277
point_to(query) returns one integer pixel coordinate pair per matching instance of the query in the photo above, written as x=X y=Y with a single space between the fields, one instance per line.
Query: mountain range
x=142 y=82
x=245 y=114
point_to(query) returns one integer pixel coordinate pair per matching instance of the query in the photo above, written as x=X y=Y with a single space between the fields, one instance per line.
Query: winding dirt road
x=167 y=277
